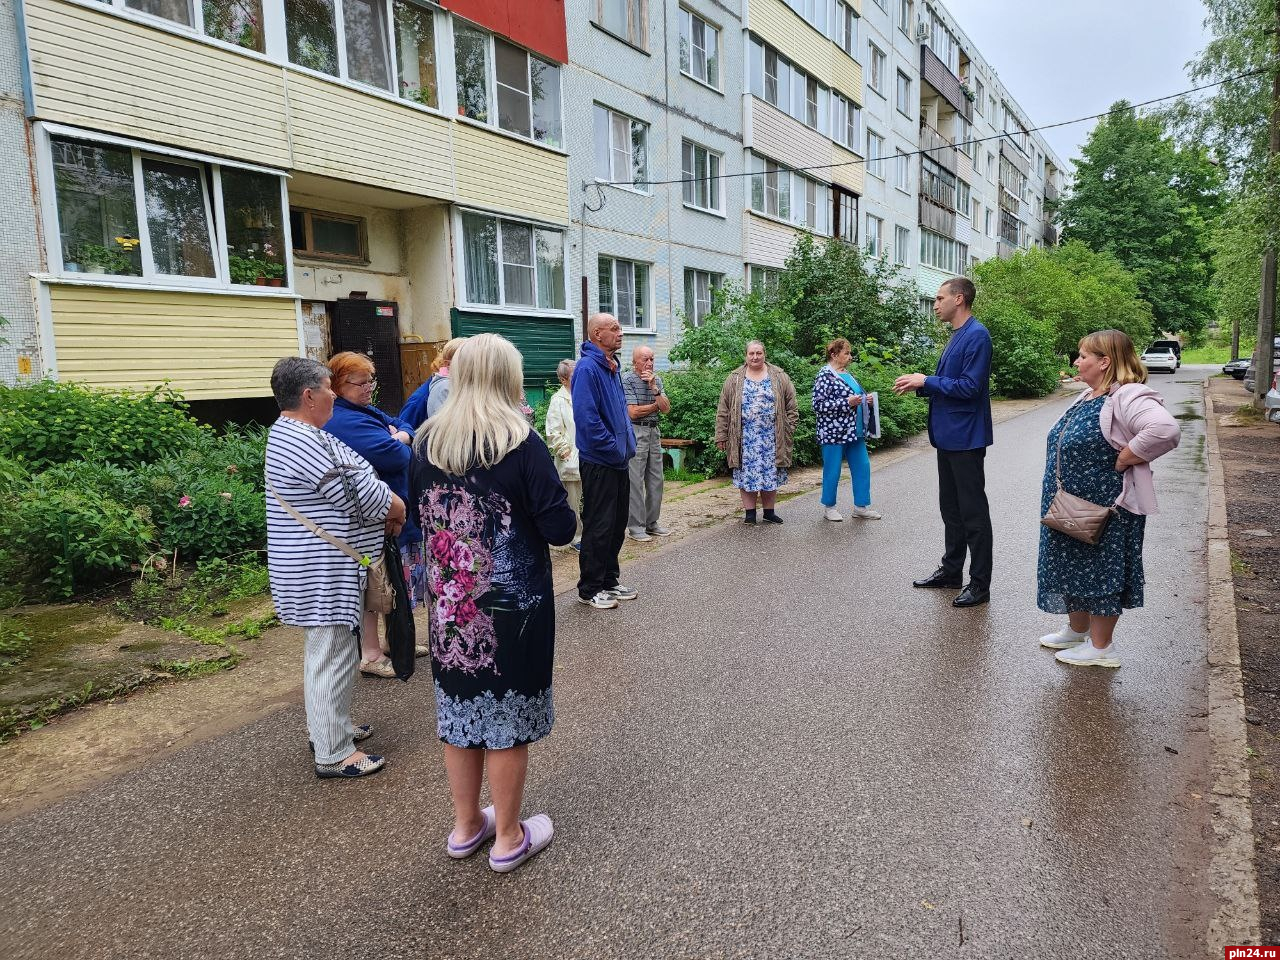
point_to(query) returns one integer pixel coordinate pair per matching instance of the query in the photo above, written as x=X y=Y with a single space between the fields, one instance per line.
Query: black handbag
x=401 y=632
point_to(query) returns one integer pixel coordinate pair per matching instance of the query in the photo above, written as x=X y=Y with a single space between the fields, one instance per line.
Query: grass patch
x=15 y=643
x=1239 y=567
x=209 y=589
x=1209 y=353
x=684 y=476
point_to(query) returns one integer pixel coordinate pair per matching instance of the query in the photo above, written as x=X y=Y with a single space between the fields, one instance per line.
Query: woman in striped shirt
x=315 y=585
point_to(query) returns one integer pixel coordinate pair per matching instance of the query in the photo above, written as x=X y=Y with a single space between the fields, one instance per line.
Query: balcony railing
x=1050 y=235
x=938 y=147
x=938 y=219
x=939 y=76
x=1050 y=191
x=1005 y=249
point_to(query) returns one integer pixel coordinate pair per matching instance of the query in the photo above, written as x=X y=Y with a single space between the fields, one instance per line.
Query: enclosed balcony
x=939 y=148
x=939 y=76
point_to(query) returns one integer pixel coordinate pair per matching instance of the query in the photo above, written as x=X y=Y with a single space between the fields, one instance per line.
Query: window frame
x=714 y=282
x=902 y=88
x=842 y=202
x=901 y=247
x=901 y=170
x=210 y=169
x=875 y=162
x=876 y=65
x=651 y=320
x=614 y=180
x=195 y=29
x=876 y=236
x=906 y=17
x=502 y=307
x=492 y=119
x=688 y=16
x=641 y=17
x=715 y=182
x=308 y=236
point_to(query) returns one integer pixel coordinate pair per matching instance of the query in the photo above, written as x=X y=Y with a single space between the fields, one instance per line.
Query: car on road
x=1161 y=358
x=1236 y=368
x=1251 y=375
x=1271 y=402
x=1174 y=345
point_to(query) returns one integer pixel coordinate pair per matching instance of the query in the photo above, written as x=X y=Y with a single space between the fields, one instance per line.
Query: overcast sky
x=1063 y=59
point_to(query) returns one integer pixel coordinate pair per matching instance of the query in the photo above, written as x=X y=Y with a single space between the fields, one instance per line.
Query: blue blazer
x=959 y=394
x=364 y=430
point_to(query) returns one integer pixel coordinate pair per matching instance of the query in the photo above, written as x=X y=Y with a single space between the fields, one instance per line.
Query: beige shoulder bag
x=379 y=595
x=1075 y=516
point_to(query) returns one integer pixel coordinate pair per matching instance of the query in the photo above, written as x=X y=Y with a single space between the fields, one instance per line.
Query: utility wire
x=965 y=143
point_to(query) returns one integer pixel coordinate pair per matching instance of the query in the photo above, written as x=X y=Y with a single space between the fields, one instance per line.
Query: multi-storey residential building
x=983 y=178
x=802 y=127
x=654 y=91
x=224 y=182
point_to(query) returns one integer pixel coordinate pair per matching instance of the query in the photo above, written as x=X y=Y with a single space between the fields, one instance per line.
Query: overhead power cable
x=949 y=146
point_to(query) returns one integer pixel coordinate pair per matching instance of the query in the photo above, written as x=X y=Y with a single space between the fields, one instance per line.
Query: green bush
x=48 y=423
x=1023 y=361
x=204 y=515
x=59 y=540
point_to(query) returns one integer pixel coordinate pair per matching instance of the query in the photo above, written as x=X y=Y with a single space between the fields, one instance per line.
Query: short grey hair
x=753 y=343
x=292 y=375
x=563 y=369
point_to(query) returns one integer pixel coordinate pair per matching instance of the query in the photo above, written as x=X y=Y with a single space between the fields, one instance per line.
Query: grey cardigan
x=729 y=416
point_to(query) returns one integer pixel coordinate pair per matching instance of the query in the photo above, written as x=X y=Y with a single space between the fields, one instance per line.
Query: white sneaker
x=622 y=593
x=831 y=513
x=638 y=535
x=604 y=600
x=1064 y=639
x=866 y=513
x=1087 y=655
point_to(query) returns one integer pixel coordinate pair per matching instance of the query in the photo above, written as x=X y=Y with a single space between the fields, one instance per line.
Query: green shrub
x=48 y=423
x=201 y=515
x=1023 y=362
x=58 y=540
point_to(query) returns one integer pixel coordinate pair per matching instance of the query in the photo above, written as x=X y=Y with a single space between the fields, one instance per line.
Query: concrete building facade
x=654 y=90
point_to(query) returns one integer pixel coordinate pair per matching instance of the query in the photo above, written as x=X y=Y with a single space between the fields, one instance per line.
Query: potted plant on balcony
x=100 y=258
x=967 y=91
x=275 y=274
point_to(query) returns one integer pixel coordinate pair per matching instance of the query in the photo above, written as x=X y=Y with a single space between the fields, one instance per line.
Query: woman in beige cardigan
x=755 y=425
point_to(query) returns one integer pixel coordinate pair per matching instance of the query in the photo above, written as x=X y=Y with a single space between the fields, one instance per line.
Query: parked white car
x=1161 y=358
x=1272 y=399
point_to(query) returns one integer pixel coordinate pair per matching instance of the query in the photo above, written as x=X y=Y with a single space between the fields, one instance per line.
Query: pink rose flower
x=441 y=546
x=466 y=580
x=463 y=557
x=185 y=501
x=465 y=612
x=452 y=591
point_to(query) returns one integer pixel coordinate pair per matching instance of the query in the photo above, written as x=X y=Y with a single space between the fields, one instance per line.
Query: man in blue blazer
x=960 y=428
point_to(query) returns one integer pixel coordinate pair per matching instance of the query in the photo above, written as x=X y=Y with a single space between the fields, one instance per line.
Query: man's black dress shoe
x=971 y=596
x=941 y=579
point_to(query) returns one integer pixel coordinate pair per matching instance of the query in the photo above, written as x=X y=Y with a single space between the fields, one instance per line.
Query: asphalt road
x=780 y=750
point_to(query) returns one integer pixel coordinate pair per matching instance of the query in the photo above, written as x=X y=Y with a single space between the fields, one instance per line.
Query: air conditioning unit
x=922 y=32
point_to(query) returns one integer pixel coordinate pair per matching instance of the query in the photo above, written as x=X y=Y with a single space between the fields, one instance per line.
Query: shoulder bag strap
x=320 y=531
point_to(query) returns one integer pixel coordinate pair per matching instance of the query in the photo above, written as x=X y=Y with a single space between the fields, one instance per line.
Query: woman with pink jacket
x=1107 y=440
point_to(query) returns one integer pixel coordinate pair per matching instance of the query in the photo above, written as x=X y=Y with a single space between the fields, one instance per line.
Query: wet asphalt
x=780 y=750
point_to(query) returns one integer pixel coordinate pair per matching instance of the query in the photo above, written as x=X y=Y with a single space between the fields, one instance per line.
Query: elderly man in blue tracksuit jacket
x=960 y=428
x=606 y=443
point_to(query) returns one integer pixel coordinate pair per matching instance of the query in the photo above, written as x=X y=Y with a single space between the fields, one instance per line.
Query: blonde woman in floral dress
x=486 y=492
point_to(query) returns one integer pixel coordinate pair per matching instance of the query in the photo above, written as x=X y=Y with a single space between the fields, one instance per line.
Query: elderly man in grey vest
x=646 y=401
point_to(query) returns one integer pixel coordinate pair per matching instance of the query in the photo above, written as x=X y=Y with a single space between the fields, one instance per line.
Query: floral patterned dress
x=759 y=470
x=1073 y=576
x=489 y=592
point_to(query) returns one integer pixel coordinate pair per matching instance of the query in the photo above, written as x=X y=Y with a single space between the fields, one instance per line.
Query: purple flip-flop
x=537 y=834
x=464 y=850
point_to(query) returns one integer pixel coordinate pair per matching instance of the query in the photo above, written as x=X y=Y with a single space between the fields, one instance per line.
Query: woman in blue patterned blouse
x=842 y=432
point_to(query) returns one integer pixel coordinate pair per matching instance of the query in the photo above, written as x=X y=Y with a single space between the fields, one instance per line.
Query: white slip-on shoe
x=604 y=600
x=831 y=513
x=1087 y=655
x=866 y=513
x=1064 y=639
x=537 y=834
x=638 y=535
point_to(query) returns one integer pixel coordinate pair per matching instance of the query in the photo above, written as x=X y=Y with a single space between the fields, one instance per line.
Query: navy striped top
x=313 y=583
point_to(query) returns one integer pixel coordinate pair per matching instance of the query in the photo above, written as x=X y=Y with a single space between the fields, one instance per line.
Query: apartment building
x=802 y=127
x=655 y=88
x=221 y=183
x=978 y=182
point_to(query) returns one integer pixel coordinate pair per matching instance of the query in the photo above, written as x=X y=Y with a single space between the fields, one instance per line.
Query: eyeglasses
x=363 y=383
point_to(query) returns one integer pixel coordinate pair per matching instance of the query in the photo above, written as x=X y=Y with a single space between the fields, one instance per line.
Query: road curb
x=1232 y=872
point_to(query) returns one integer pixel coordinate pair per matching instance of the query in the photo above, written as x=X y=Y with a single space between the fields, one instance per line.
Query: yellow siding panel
x=498 y=172
x=851 y=174
x=100 y=71
x=210 y=346
x=343 y=133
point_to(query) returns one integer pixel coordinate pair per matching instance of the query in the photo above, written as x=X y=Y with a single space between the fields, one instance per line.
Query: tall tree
x=1149 y=203
x=1241 y=122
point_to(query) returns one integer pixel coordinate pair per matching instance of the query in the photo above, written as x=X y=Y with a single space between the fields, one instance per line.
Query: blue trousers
x=854 y=454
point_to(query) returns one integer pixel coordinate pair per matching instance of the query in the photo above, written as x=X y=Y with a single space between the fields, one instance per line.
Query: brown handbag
x=1075 y=516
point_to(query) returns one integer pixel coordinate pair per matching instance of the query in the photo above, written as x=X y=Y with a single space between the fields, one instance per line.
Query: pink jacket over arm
x=1134 y=416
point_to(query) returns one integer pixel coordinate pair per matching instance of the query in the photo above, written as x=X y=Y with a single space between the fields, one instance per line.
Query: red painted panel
x=536 y=24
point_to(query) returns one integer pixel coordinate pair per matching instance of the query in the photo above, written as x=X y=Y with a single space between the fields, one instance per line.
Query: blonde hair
x=480 y=422
x=446 y=355
x=1116 y=346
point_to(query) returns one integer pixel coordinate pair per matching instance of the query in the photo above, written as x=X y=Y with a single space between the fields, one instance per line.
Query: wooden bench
x=675 y=451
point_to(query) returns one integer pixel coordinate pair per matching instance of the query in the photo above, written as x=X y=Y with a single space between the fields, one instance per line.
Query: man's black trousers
x=962 y=497
x=605 y=498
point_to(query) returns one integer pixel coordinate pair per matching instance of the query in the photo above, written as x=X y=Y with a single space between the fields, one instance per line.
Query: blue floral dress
x=759 y=470
x=1101 y=580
